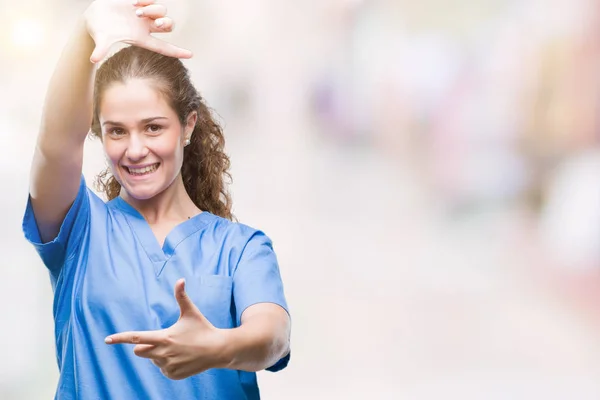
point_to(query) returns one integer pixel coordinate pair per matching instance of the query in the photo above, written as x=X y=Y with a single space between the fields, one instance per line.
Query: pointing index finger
x=149 y=337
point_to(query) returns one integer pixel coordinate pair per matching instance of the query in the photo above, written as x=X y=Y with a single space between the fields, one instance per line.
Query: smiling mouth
x=142 y=171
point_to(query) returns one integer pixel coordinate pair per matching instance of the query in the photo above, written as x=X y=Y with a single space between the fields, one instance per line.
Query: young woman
x=121 y=332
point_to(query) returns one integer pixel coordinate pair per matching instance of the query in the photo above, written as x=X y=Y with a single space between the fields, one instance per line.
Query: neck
x=171 y=204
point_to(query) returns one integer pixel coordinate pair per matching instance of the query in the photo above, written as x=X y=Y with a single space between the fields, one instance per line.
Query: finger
x=150 y=354
x=162 y=25
x=144 y=350
x=171 y=372
x=153 y=11
x=147 y=337
x=178 y=372
x=159 y=362
x=142 y=3
x=185 y=303
x=162 y=47
x=164 y=372
x=100 y=51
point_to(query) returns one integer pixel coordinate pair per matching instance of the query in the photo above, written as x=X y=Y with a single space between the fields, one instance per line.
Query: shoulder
x=236 y=230
x=239 y=236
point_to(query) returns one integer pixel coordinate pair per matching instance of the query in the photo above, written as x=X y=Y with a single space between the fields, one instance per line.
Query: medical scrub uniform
x=109 y=274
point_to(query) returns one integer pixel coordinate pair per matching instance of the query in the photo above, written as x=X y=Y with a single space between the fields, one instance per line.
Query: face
x=142 y=137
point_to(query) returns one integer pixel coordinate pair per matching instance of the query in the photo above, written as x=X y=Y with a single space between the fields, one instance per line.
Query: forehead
x=133 y=100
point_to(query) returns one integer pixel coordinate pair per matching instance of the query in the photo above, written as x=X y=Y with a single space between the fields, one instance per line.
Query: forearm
x=256 y=345
x=67 y=113
x=66 y=120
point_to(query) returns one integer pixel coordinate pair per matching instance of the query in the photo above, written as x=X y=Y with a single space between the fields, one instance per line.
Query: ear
x=190 y=125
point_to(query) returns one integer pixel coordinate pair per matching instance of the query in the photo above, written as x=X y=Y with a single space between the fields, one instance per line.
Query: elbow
x=283 y=349
x=280 y=348
x=273 y=351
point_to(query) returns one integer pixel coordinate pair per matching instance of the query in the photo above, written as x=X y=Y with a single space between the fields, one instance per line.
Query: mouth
x=147 y=170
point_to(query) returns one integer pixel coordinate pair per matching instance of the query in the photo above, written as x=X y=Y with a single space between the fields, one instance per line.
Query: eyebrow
x=144 y=121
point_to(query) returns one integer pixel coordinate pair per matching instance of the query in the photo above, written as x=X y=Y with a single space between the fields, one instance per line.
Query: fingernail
x=108 y=340
x=139 y=12
x=134 y=2
x=159 y=22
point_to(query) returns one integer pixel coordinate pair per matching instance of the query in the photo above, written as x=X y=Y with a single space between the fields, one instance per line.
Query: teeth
x=141 y=171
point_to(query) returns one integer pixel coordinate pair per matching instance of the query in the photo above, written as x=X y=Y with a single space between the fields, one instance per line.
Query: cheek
x=112 y=152
x=170 y=149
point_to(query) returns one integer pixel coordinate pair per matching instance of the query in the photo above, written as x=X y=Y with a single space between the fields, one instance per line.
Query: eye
x=154 y=128
x=116 y=131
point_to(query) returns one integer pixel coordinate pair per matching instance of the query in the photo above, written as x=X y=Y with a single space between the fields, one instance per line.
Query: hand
x=112 y=21
x=188 y=347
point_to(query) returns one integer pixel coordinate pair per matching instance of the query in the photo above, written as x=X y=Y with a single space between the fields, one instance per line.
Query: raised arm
x=67 y=115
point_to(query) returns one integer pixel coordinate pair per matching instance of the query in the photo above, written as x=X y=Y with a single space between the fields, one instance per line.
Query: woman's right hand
x=112 y=21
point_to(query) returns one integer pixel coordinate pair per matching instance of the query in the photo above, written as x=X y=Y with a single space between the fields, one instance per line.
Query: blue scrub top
x=109 y=274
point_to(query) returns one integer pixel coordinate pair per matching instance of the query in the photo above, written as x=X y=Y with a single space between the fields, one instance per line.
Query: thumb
x=185 y=303
x=100 y=51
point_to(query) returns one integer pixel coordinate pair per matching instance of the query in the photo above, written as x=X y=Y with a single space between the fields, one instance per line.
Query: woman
x=120 y=332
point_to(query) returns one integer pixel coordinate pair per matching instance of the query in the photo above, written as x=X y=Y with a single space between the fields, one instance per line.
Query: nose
x=136 y=148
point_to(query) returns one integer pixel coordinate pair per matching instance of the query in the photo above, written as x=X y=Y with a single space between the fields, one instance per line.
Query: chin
x=143 y=193
x=138 y=191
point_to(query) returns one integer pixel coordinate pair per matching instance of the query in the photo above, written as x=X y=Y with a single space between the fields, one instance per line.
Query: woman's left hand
x=190 y=346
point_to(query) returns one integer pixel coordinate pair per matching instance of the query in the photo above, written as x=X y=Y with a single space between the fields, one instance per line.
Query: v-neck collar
x=159 y=256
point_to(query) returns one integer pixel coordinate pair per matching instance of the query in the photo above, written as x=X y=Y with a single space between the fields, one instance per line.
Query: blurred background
x=429 y=172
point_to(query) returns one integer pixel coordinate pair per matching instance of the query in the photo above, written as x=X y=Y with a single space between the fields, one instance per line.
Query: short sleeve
x=257 y=279
x=55 y=253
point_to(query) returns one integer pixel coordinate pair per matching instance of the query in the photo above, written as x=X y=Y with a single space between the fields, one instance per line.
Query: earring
x=187 y=142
